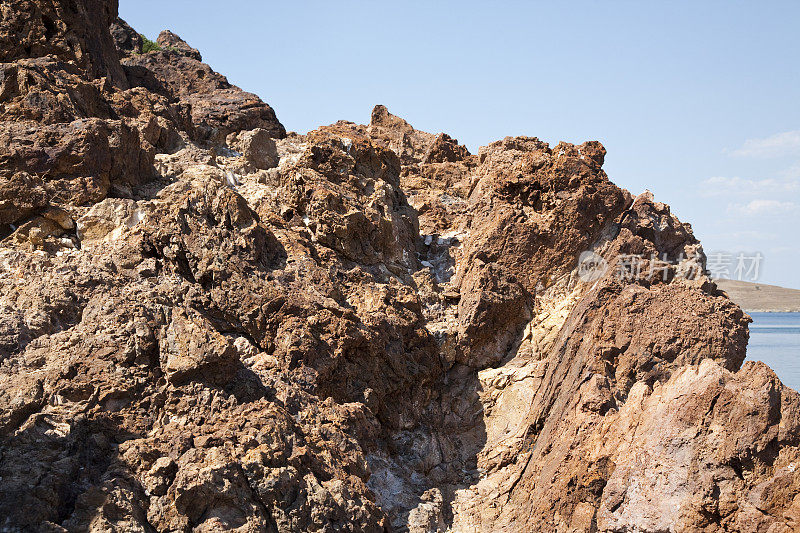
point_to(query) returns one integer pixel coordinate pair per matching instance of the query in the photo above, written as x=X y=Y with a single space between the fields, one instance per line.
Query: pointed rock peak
x=646 y=196
x=413 y=145
x=382 y=118
x=170 y=41
x=595 y=151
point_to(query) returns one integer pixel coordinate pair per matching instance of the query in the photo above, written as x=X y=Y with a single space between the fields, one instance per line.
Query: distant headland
x=759 y=297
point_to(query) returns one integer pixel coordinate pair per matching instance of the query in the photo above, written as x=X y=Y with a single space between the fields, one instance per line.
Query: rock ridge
x=210 y=324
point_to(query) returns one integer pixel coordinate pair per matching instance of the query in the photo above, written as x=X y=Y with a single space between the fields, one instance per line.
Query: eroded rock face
x=207 y=325
x=167 y=39
x=217 y=107
x=126 y=39
x=75 y=32
x=77 y=162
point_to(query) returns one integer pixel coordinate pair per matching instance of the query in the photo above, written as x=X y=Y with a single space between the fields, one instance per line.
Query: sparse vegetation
x=148 y=45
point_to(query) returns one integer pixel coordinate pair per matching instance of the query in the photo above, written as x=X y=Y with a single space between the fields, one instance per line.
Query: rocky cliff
x=207 y=324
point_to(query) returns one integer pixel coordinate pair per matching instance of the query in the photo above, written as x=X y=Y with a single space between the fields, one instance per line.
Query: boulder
x=257 y=147
x=105 y=221
x=192 y=350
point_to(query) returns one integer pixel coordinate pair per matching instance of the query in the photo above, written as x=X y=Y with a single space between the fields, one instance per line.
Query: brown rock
x=126 y=39
x=218 y=108
x=399 y=136
x=21 y=195
x=77 y=33
x=170 y=41
x=193 y=350
x=257 y=147
x=365 y=328
x=160 y=476
x=445 y=149
x=49 y=91
x=77 y=162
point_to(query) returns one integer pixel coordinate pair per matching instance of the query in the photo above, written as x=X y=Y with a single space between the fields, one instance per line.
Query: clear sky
x=697 y=101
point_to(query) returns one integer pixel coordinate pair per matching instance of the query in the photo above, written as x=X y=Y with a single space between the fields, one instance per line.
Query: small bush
x=148 y=45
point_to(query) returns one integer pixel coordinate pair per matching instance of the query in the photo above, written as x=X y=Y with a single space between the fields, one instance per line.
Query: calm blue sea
x=775 y=339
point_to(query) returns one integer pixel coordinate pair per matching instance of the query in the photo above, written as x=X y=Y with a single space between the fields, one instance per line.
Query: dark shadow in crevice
x=48 y=466
x=441 y=452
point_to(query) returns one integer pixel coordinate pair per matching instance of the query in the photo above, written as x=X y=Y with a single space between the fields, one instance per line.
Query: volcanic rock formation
x=207 y=324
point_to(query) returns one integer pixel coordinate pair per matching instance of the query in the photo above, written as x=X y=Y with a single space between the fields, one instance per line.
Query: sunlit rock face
x=210 y=325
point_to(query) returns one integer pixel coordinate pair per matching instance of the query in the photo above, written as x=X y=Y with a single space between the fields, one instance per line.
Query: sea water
x=775 y=339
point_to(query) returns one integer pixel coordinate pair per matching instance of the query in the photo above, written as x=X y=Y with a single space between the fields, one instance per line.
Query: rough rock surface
x=217 y=107
x=208 y=325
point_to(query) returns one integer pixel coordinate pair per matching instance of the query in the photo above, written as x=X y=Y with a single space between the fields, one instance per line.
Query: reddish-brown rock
x=217 y=107
x=167 y=39
x=78 y=162
x=75 y=31
x=126 y=39
x=207 y=325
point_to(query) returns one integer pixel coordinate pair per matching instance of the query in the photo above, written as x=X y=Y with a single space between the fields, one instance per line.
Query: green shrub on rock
x=148 y=45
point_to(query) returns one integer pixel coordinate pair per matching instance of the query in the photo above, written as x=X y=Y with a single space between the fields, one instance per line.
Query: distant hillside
x=760 y=297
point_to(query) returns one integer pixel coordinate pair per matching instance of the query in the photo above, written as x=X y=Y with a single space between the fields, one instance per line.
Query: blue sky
x=698 y=102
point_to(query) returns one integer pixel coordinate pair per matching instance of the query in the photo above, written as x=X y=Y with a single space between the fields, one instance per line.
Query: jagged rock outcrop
x=208 y=325
x=73 y=32
x=217 y=107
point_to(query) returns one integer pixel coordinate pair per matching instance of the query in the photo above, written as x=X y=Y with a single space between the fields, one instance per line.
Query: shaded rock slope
x=208 y=324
